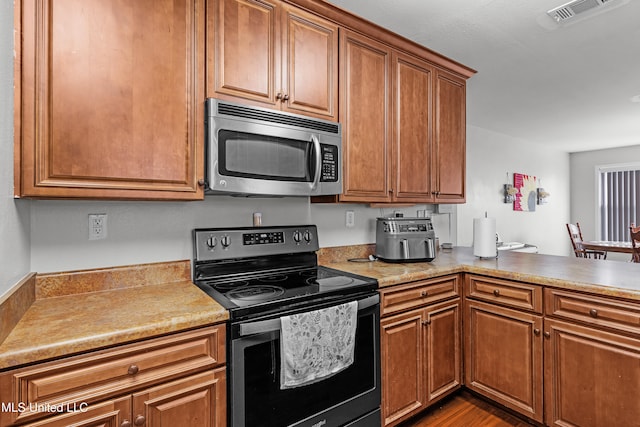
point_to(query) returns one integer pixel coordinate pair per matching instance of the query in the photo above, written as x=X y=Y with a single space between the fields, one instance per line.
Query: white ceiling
x=565 y=86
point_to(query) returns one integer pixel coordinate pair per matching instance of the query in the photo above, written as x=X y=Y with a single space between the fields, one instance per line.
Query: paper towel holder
x=489 y=247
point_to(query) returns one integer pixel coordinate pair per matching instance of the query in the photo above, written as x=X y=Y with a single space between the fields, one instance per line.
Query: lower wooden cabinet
x=503 y=356
x=421 y=359
x=592 y=377
x=178 y=380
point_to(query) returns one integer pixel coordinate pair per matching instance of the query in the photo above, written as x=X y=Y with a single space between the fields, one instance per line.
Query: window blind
x=619 y=197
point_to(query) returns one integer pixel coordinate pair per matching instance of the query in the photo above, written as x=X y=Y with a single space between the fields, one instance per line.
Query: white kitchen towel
x=317 y=344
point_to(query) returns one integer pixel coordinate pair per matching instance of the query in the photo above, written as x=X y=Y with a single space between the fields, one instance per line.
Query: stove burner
x=228 y=286
x=255 y=293
x=271 y=279
x=333 y=282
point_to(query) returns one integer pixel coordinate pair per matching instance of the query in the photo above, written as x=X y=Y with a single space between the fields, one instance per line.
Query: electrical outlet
x=350 y=219
x=97 y=226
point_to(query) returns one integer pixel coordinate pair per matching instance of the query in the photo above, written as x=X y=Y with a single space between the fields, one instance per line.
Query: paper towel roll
x=484 y=237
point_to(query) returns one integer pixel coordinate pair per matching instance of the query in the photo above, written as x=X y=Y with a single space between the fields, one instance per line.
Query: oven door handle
x=273 y=325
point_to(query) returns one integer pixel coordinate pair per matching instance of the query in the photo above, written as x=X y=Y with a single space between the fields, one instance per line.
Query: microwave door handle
x=316 y=149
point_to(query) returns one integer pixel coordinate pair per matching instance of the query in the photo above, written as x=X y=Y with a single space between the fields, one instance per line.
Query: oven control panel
x=212 y=244
x=263 y=238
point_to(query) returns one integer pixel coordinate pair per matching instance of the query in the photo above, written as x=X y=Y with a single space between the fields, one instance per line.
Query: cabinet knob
x=126 y=423
x=133 y=369
x=426 y=322
x=201 y=182
x=285 y=97
x=547 y=334
x=278 y=96
x=593 y=312
x=424 y=294
x=140 y=420
x=536 y=332
x=496 y=292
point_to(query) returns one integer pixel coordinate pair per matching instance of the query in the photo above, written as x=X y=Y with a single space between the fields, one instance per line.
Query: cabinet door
x=365 y=116
x=402 y=366
x=112 y=99
x=592 y=378
x=243 y=50
x=443 y=349
x=412 y=129
x=310 y=64
x=503 y=356
x=112 y=413
x=199 y=400
x=449 y=148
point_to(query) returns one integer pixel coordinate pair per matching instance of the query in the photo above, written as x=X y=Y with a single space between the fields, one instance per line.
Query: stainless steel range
x=263 y=276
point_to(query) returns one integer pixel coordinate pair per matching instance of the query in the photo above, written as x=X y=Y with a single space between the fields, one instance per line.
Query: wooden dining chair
x=575 y=233
x=635 y=243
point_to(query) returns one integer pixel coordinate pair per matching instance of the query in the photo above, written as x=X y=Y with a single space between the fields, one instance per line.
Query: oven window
x=267 y=405
x=264 y=157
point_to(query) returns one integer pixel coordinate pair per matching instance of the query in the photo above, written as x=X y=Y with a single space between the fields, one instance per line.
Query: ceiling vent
x=572 y=9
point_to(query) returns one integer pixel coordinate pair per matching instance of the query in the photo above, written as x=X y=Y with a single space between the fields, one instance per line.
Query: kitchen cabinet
x=503 y=343
x=449 y=143
x=592 y=360
x=112 y=97
x=365 y=110
x=272 y=54
x=420 y=346
x=174 y=380
x=403 y=126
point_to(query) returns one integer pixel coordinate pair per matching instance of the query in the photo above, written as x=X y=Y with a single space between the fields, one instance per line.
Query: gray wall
x=14 y=217
x=46 y=236
x=584 y=187
x=490 y=156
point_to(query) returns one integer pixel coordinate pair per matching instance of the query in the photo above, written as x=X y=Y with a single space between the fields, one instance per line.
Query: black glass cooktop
x=280 y=290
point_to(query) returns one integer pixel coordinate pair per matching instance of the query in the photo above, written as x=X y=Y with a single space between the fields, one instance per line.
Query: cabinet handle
x=391 y=190
x=201 y=182
x=278 y=96
x=593 y=312
x=133 y=369
x=426 y=322
x=125 y=423
x=140 y=420
x=496 y=292
x=536 y=332
x=424 y=294
x=285 y=97
x=547 y=334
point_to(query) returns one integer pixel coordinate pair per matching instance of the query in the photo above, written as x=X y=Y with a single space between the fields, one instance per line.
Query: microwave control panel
x=329 y=163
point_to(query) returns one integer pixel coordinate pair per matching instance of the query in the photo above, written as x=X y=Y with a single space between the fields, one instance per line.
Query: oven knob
x=225 y=241
x=297 y=236
x=307 y=236
x=212 y=242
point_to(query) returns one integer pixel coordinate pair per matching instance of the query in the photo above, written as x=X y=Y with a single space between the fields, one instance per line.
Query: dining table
x=607 y=246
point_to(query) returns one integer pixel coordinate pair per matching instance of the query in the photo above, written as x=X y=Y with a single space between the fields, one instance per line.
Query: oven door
x=347 y=397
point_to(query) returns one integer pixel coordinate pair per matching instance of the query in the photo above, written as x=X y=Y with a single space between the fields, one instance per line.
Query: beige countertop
x=57 y=315
x=77 y=312
x=611 y=278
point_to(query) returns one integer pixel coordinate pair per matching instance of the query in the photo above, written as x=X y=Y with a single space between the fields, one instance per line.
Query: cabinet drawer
x=95 y=376
x=415 y=294
x=593 y=310
x=505 y=292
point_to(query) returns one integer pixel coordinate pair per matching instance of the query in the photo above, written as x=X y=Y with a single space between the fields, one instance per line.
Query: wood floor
x=465 y=410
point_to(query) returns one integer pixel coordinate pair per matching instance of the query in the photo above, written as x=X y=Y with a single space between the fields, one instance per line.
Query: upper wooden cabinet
x=112 y=97
x=403 y=126
x=269 y=53
x=365 y=110
x=449 y=141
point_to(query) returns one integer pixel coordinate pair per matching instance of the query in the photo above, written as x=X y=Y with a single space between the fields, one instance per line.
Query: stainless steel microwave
x=257 y=151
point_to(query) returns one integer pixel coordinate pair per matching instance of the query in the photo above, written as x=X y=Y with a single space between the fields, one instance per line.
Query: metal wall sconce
x=542 y=196
x=510 y=193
